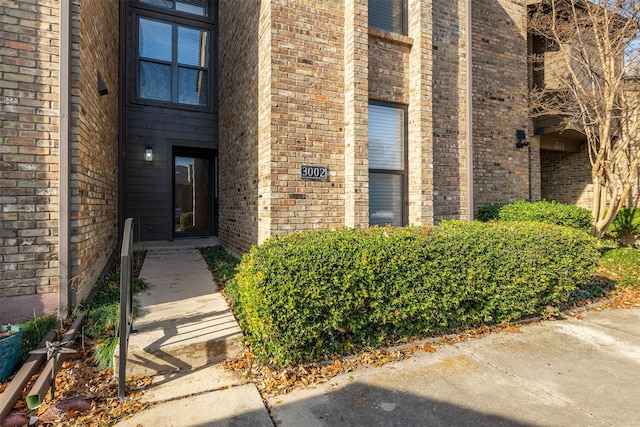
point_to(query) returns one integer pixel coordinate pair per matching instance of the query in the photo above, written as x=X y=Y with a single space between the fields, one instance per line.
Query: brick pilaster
x=356 y=100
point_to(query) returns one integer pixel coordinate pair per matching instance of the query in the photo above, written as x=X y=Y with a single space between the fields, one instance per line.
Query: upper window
x=173 y=62
x=388 y=15
x=387 y=165
x=195 y=7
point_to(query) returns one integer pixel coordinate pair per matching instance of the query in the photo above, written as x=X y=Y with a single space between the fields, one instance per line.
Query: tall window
x=173 y=62
x=388 y=15
x=387 y=164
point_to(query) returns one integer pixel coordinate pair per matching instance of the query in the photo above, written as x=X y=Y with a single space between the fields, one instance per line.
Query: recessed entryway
x=194 y=192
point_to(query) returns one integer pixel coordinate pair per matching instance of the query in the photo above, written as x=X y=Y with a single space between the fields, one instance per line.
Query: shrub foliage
x=186 y=221
x=543 y=211
x=626 y=222
x=103 y=315
x=307 y=295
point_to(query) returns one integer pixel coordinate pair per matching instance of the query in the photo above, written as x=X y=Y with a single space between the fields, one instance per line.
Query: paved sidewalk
x=559 y=373
x=569 y=372
x=184 y=321
x=184 y=331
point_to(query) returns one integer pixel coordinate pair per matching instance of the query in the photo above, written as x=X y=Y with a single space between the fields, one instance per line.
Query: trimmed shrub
x=543 y=211
x=626 y=223
x=186 y=221
x=307 y=295
x=490 y=212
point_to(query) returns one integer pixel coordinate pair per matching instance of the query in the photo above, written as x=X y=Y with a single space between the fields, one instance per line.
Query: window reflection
x=155 y=81
x=191 y=194
x=192 y=86
x=195 y=7
x=161 y=76
x=155 y=40
x=192 y=46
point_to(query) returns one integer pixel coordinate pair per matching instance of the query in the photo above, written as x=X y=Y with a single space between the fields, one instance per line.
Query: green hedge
x=186 y=221
x=543 y=211
x=301 y=297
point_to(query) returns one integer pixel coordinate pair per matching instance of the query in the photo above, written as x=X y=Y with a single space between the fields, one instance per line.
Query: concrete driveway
x=569 y=372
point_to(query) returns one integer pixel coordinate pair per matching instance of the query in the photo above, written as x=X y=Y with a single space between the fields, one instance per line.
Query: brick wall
x=28 y=158
x=238 y=158
x=264 y=163
x=500 y=71
x=94 y=141
x=389 y=66
x=566 y=177
x=308 y=85
x=356 y=114
x=420 y=111
x=449 y=109
x=306 y=118
x=29 y=162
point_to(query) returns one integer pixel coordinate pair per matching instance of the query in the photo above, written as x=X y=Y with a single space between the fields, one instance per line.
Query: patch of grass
x=102 y=316
x=626 y=223
x=32 y=333
x=220 y=262
x=621 y=265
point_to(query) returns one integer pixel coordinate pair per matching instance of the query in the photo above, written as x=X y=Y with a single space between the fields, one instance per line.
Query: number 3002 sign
x=313 y=172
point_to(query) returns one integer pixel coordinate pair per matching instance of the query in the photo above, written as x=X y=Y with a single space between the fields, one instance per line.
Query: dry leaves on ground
x=628 y=297
x=85 y=396
x=273 y=382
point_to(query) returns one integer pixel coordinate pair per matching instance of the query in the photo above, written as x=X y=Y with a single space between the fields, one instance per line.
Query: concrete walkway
x=184 y=321
x=185 y=329
x=566 y=372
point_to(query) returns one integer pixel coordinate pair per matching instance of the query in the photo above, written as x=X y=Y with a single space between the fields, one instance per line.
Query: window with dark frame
x=388 y=15
x=195 y=7
x=387 y=164
x=173 y=57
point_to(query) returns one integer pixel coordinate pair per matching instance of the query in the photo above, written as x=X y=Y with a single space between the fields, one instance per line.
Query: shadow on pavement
x=366 y=405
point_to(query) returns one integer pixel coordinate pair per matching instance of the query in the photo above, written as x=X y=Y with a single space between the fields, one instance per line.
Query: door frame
x=212 y=194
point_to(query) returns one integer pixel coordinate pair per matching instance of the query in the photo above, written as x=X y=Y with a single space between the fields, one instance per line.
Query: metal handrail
x=126 y=304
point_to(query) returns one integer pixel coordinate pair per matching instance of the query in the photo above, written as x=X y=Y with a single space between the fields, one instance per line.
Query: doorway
x=194 y=192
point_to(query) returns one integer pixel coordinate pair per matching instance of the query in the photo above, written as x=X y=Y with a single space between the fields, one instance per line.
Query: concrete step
x=184 y=323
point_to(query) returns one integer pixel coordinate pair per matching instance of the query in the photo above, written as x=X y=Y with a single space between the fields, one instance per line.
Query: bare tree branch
x=591 y=65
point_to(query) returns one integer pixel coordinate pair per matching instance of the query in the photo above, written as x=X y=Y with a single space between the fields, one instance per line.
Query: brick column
x=265 y=178
x=29 y=208
x=420 y=143
x=356 y=151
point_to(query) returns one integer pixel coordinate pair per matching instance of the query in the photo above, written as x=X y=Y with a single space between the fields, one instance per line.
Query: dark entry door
x=193 y=193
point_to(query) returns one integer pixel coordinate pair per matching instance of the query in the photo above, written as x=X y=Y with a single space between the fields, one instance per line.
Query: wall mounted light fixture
x=148 y=154
x=522 y=136
x=102 y=87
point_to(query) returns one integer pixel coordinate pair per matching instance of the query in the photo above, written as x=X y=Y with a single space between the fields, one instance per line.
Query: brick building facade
x=301 y=76
x=196 y=118
x=59 y=152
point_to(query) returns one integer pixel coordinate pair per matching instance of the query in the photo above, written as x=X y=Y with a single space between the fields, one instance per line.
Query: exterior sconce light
x=102 y=87
x=522 y=136
x=148 y=154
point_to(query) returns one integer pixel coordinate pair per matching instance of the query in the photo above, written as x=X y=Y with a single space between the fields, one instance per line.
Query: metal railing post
x=126 y=304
